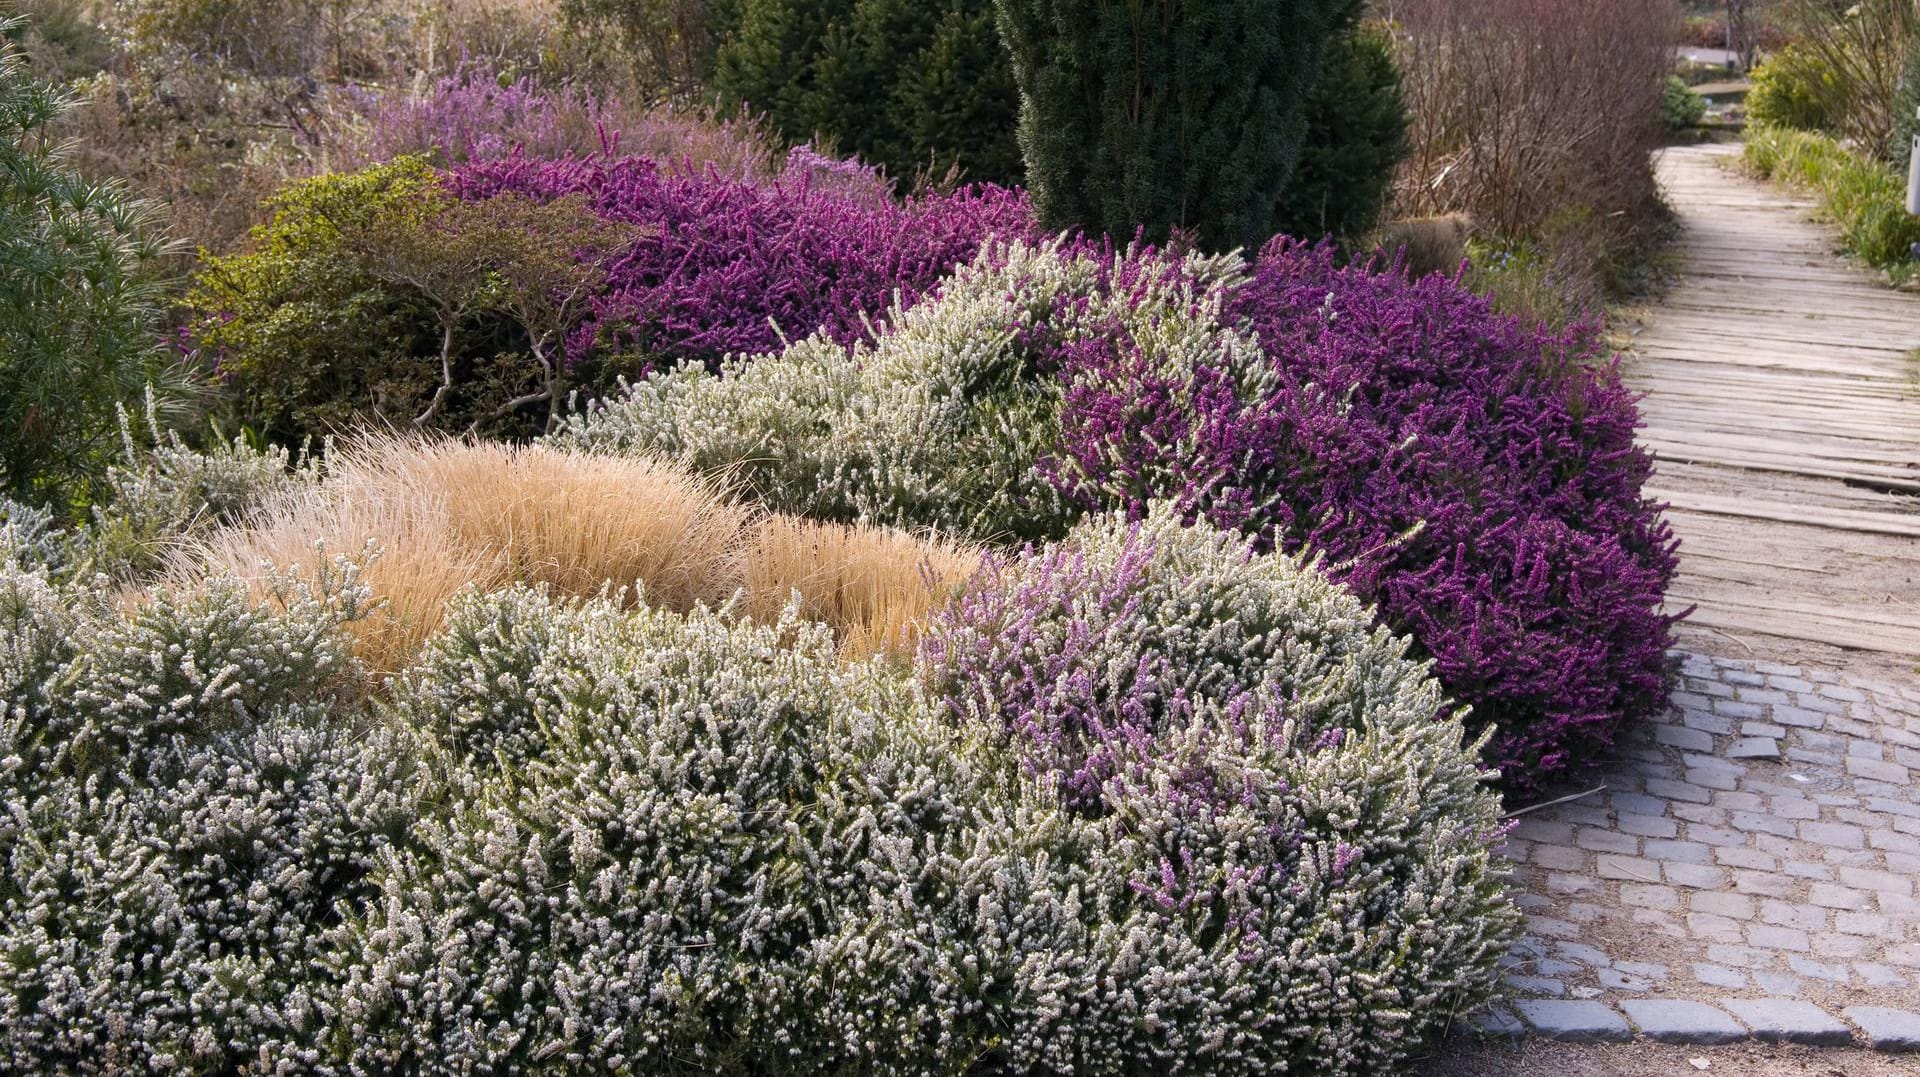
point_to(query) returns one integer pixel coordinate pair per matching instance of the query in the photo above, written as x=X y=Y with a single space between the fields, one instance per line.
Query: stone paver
x=1785 y=1020
x=1711 y=877
x=1576 y=1021
x=1678 y=1021
x=1886 y=1029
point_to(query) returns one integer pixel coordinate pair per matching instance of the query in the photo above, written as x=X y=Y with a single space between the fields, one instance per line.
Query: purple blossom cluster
x=1473 y=477
x=728 y=265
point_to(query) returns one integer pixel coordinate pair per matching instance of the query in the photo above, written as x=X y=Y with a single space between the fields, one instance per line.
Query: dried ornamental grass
x=443 y=516
x=878 y=585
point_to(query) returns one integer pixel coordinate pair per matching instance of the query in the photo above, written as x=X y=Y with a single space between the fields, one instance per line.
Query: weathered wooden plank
x=1872 y=523
x=1779 y=395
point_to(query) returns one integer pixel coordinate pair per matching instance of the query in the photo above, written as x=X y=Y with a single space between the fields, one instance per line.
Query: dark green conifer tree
x=1356 y=136
x=1166 y=114
x=912 y=85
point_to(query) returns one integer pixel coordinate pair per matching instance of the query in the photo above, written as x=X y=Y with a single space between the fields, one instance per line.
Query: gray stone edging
x=1686 y=1021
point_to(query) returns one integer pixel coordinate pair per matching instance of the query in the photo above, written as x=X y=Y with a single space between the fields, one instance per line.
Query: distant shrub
x=1866 y=198
x=1227 y=719
x=1846 y=60
x=916 y=88
x=1787 y=92
x=472 y=115
x=1565 y=129
x=1474 y=478
x=1681 y=106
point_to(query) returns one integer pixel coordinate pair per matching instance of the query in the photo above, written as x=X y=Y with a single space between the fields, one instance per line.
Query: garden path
x=1781 y=402
x=1747 y=867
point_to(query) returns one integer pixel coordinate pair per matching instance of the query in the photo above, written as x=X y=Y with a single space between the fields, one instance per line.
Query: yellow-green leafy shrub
x=1790 y=89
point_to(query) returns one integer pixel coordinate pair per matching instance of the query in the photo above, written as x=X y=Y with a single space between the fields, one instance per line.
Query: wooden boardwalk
x=1781 y=403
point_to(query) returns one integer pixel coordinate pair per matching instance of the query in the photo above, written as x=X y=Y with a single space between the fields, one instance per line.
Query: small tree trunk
x=447 y=321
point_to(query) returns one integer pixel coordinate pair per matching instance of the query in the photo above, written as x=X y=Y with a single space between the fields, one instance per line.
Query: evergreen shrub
x=1165 y=116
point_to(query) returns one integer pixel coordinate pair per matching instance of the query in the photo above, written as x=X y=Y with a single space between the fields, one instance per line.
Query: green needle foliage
x=915 y=86
x=1356 y=136
x=1166 y=115
x=77 y=309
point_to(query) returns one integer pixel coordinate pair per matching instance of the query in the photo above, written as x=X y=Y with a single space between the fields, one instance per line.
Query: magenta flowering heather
x=736 y=266
x=1475 y=478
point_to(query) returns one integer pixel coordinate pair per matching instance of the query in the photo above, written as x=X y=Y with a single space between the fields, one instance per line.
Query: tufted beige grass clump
x=444 y=516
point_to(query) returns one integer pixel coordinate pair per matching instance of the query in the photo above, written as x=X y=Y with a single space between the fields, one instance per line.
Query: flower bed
x=578 y=835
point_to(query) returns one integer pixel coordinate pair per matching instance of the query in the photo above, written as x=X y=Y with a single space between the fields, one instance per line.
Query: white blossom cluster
x=189 y=803
x=938 y=421
x=163 y=489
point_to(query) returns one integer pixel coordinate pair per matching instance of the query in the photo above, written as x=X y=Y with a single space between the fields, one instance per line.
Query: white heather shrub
x=939 y=421
x=29 y=538
x=683 y=843
x=1292 y=868
x=1154 y=804
x=203 y=804
x=164 y=491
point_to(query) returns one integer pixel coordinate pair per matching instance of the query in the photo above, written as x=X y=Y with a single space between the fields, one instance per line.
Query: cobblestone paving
x=1749 y=870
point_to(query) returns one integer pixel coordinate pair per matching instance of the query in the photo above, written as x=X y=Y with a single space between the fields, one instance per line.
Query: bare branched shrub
x=1536 y=117
x=1860 y=51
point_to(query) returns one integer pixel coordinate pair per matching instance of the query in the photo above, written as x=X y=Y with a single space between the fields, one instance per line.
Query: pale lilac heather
x=471 y=115
x=1178 y=690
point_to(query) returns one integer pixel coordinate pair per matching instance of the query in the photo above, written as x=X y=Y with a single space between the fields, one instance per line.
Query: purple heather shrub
x=735 y=266
x=472 y=115
x=1475 y=478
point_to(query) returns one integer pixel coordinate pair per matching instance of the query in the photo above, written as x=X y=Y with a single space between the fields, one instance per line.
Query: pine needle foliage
x=77 y=306
x=1166 y=115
